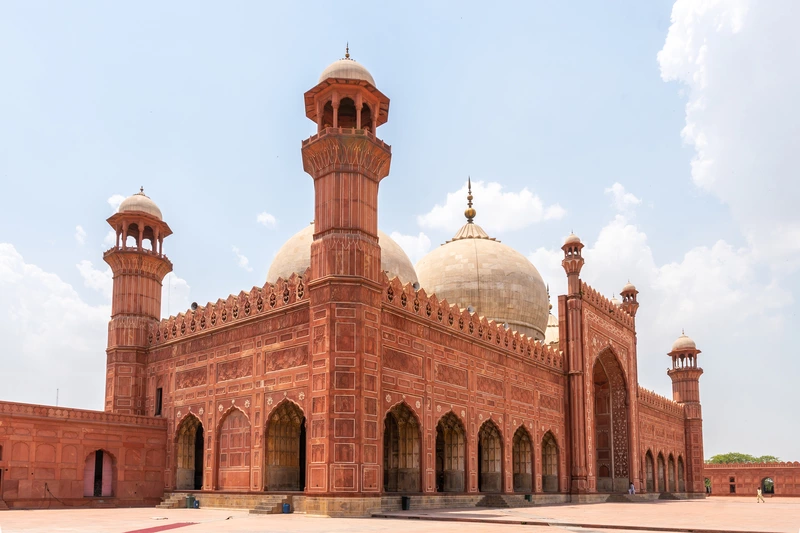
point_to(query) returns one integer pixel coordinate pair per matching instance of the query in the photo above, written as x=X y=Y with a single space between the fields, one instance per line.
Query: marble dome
x=683 y=343
x=140 y=203
x=348 y=69
x=499 y=283
x=295 y=256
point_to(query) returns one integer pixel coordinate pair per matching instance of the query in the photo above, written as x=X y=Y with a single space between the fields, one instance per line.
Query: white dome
x=551 y=333
x=683 y=343
x=496 y=280
x=140 y=203
x=295 y=257
x=347 y=69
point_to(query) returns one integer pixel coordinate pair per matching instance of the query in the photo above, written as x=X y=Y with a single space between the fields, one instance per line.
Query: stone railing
x=659 y=402
x=258 y=301
x=347 y=131
x=66 y=413
x=728 y=466
x=442 y=313
x=601 y=302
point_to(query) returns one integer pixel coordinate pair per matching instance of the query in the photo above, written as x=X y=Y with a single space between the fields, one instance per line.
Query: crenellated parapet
x=611 y=309
x=661 y=403
x=232 y=310
x=462 y=321
x=752 y=466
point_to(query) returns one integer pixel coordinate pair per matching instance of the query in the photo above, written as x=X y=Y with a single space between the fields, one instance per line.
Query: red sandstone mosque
x=353 y=377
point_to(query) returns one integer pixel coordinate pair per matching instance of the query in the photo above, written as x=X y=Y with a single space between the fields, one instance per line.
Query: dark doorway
x=190 y=453
x=768 y=486
x=198 y=458
x=98 y=473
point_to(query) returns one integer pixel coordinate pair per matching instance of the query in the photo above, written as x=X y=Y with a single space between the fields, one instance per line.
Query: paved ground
x=713 y=514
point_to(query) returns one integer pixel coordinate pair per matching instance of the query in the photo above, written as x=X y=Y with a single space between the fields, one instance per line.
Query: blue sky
x=552 y=102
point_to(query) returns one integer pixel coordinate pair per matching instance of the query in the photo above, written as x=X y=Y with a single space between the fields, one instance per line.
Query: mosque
x=352 y=377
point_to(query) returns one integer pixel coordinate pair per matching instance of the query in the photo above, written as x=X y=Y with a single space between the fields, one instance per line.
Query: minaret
x=685 y=375
x=570 y=317
x=629 y=301
x=347 y=162
x=138 y=272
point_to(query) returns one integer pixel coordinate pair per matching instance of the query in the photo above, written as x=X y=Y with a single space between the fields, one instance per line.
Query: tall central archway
x=285 y=453
x=189 y=451
x=401 y=451
x=450 y=454
x=610 y=425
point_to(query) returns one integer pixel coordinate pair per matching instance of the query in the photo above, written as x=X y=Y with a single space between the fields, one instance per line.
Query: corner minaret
x=138 y=270
x=347 y=162
x=629 y=301
x=685 y=375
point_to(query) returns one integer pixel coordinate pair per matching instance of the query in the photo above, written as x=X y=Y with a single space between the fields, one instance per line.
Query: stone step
x=504 y=501
x=3 y=506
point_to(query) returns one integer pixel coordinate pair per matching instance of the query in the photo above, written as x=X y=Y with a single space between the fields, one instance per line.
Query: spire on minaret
x=347 y=50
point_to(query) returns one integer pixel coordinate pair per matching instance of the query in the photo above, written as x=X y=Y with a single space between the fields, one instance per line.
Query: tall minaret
x=685 y=375
x=570 y=315
x=347 y=162
x=139 y=266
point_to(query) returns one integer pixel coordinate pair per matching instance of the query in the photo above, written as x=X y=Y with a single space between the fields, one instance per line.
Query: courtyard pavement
x=713 y=514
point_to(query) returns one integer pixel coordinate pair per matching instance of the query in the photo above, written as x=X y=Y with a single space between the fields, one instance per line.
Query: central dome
x=295 y=257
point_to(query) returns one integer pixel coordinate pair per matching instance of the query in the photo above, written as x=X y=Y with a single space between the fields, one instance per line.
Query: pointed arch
x=285 y=447
x=401 y=450
x=681 y=475
x=490 y=458
x=649 y=468
x=550 y=463
x=451 y=454
x=233 y=451
x=189 y=452
x=662 y=482
x=100 y=474
x=610 y=423
x=671 y=474
x=522 y=460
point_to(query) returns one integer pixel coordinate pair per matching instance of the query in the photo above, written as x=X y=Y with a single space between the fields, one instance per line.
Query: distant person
x=759 y=497
x=631 y=489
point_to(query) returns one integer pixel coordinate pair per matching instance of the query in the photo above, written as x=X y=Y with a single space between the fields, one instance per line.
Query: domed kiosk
x=478 y=271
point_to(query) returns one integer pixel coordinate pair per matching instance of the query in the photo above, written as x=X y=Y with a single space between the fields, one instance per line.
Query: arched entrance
x=671 y=473
x=285 y=448
x=767 y=486
x=190 y=448
x=662 y=483
x=490 y=458
x=522 y=461
x=233 y=456
x=450 y=454
x=681 y=475
x=99 y=475
x=549 y=463
x=650 y=483
x=611 y=424
x=401 y=451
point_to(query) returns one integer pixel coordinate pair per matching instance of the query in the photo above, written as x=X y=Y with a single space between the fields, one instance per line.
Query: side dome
x=348 y=69
x=295 y=257
x=683 y=343
x=496 y=280
x=141 y=203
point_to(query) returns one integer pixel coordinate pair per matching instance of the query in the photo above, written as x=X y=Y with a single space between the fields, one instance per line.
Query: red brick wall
x=748 y=477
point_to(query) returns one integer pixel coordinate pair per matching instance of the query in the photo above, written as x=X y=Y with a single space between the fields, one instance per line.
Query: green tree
x=736 y=457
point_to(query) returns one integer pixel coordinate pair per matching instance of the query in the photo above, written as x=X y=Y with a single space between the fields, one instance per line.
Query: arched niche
x=401 y=451
x=451 y=450
x=490 y=458
x=285 y=448
x=522 y=460
x=549 y=463
x=611 y=424
x=189 y=452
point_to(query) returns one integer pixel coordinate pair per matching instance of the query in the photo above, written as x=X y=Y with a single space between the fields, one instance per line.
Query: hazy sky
x=666 y=136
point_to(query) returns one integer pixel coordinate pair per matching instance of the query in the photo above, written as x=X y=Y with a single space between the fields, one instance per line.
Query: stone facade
x=744 y=479
x=348 y=387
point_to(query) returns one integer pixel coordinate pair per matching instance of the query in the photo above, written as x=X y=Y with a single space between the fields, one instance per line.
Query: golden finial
x=469 y=212
x=682 y=332
x=141 y=189
x=549 y=302
x=347 y=50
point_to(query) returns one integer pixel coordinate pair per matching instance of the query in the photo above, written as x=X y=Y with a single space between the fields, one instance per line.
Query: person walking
x=759 y=497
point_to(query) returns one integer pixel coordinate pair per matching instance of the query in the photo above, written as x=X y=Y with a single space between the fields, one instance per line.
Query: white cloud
x=415 y=247
x=266 y=219
x=498 y=210
x=737 y=60
x=115 y=200
x=622 y=200
x=80 y=235
x=99 y=280
x=110 y=239
x=174 y=295
x=49 y=332
x=242 y=260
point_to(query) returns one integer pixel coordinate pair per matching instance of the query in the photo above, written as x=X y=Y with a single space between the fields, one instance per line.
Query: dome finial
x=347 y=50
x=469 y=212
x=141 y=190
x=683 y=332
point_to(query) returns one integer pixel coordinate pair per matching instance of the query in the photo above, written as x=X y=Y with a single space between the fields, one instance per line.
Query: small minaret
x=629 y=301
x=139 y=266
x=685 y=375
x=570 y=340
